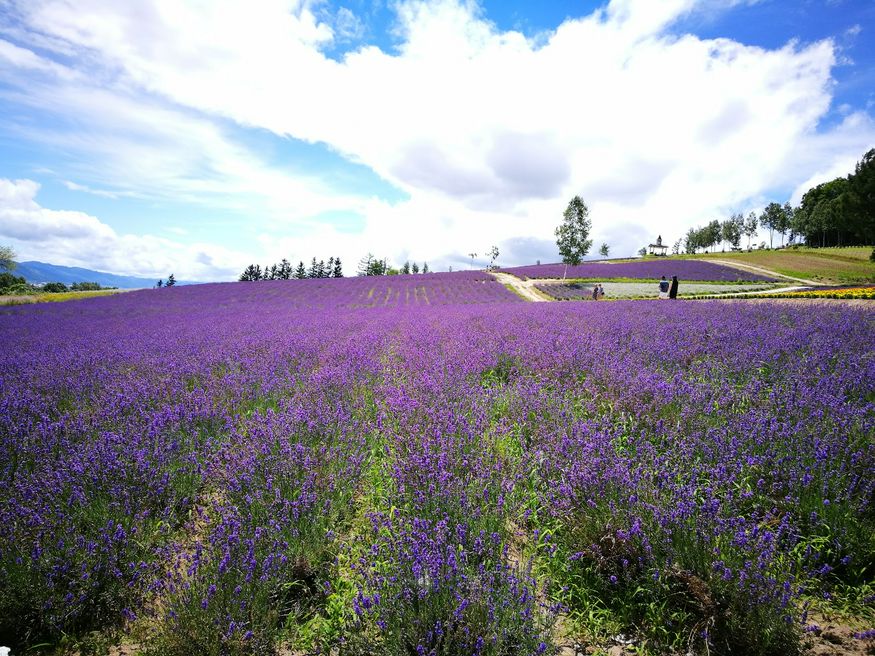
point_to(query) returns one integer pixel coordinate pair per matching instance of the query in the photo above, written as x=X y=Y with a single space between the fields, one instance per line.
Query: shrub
x=434 y=587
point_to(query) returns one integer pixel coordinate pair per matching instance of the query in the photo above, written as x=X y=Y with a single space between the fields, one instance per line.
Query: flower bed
x=653 y=269
x=834 y=292
x=613 y=290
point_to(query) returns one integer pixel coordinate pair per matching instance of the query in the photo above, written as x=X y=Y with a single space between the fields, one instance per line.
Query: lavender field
x=579 y=291
x=638 y=270
x=430 y=466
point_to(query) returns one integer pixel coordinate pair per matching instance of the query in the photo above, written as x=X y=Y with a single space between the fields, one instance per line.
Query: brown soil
x=836 y=639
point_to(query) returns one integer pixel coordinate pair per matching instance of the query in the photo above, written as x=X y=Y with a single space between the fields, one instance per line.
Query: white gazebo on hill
x=657 y=248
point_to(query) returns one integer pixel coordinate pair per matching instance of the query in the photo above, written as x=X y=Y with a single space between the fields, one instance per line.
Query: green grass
x=825 y=265
x=639 y=281
x=516 y=291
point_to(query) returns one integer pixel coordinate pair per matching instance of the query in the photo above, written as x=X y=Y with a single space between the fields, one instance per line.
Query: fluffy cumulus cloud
x=77 y=239
x=488 y=132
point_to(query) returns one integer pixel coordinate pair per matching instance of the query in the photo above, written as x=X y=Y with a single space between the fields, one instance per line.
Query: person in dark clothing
x=673 y=290
x=663 y=288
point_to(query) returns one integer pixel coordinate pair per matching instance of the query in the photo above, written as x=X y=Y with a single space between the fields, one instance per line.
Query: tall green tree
x=572 y=235
x=7 y=258
x=171 y=281
x=300 y=271
x=691 y=241
x=493 y=255
x=605 y=250
x=772 y=218
x=337 y=272
x=731 y=229
x=751 y=224
x=250 y=273
x=786 y=222
x=713 y=233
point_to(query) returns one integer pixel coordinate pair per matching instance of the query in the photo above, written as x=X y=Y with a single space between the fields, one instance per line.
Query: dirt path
x=768 y=272
x=525 y=288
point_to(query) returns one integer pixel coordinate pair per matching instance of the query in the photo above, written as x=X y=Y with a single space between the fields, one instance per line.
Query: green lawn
x=826 y=265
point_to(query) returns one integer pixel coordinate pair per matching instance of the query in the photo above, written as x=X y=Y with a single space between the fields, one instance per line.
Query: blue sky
x=154 y=137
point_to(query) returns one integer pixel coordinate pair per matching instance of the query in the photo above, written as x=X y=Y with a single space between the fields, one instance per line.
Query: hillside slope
x=823 y=265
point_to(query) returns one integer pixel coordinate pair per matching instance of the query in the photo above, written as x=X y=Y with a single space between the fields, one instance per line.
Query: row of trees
x=12 y=284
x=840 y=212
x=730 y=231
x=836 y=213
x=284 y=271
x=371 y=266
x=171 y=282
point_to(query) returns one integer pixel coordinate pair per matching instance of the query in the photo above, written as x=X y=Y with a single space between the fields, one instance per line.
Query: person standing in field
x=595 y=293
x=601 y=291
x=663 y=288
x=673 y=290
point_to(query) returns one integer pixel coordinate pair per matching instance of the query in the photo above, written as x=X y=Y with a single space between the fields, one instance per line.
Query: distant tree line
x=284 y=271
x=840 y=212
x=371 y=266
x=730 y=231
x=12 y=284
x=57 y=287
x=836 y=213
x=171 y=282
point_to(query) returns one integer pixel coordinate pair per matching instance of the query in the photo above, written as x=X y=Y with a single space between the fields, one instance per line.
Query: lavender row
x=244 y=468
x=645 y=269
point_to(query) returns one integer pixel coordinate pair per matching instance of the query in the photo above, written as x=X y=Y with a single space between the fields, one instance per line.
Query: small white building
x=657 y=248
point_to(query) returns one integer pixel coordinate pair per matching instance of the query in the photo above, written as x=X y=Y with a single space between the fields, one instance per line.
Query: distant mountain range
x=40 y=272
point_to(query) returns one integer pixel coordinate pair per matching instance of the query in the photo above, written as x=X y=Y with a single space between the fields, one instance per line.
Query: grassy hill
x=824 y=265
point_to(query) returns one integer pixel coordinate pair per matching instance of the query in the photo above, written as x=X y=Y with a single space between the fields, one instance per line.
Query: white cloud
x=104 y=193
x=78 y=239
x=488 y=132
x=349 y=26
